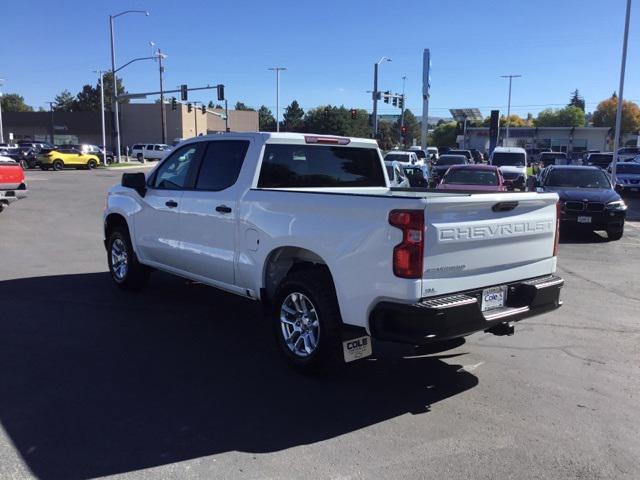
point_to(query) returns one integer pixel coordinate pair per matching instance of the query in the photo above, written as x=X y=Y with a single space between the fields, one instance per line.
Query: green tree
x=358 y=126
x=605 y=115
x=387 y=135
x=412 y=126
x=64 y=102
x=293 y=118
x=12 y=102
x=514 y=121
x=444 y=135
x=108 y=90
x=330 y=120
x=576 y=100
x=570 y=116
x=241 y=106
x=266 y=121
x=88 y=99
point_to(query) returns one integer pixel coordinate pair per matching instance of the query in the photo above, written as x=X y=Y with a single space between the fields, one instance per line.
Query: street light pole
x=623 y=65
x=163 y=113
x=51 y=119
x=375 y=95
x=1 y=130
x=104 y=136
x=114 y=93
x=510 y=77
x=278 y=70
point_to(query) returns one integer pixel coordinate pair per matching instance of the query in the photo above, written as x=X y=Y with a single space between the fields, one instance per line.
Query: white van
x=512 y=162
x=149 y=151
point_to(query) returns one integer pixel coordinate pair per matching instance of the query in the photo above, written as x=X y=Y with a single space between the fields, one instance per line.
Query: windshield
x=420 y=154
x=396 y=157
x=508 y=159
x=601 y=158
x=446 y=161
x=574 y=178
x=628 y=168
x=468 y=176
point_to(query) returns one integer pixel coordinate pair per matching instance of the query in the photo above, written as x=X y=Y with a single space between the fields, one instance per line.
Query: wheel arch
x=112 y=221
x=284 y=260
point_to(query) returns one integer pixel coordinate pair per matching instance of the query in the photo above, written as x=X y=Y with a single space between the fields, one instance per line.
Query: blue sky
x=329 y=49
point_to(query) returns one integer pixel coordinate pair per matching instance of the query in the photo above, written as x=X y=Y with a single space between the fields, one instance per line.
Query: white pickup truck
x=307 y=225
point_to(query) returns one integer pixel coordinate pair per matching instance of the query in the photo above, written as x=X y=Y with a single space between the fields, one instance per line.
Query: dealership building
x=139 y=123
x=560 y=139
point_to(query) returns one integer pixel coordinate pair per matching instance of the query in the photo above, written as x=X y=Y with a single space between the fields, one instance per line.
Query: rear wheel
x=615 y=233
x=306 y=321
x=58 y=165
x=126 y=272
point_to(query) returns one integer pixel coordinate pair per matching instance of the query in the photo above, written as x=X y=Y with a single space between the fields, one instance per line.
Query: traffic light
x=354 y=113
x=183 y=93
x=203 y=109
x=189 y=107
x=174 y=104
x=401 y=102
x=403 y=131
x=394 y=102
x=220 y=89
x=386 y=96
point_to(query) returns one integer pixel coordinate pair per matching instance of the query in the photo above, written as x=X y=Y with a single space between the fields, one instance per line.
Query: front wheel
x=91 y=164
x=126 y=272
x=140 y=158
x=615 y=233
x=306 y=321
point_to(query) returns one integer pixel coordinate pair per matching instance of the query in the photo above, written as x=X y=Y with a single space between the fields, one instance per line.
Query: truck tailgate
x=11 y=176
x=479 y=240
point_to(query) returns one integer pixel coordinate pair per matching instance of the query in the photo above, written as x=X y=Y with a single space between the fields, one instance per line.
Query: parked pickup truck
x=307 y=225
x=12 y=184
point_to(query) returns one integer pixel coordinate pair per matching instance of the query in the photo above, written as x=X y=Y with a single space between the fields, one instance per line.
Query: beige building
x=141 y=123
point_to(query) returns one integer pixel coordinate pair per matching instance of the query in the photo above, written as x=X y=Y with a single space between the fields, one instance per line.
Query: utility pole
x=163 y=113
x=426 y=85
x=278 y=70
x=404 y=79
x=226 y=116
x=51 y=119
x=623 y=65
x=1 y=130
x=376 y=95
x=506 y=139
x=104 y=136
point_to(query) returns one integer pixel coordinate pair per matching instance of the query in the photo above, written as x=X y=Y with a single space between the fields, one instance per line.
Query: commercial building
x=139 y=123
x=560 y=139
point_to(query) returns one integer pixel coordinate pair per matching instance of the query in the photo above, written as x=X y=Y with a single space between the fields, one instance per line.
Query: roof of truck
x=290 y=137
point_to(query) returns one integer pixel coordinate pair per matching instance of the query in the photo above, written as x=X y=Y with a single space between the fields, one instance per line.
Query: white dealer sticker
x=356 y=348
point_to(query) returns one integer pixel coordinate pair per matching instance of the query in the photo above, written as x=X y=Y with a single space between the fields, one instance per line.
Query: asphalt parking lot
x=183 y=381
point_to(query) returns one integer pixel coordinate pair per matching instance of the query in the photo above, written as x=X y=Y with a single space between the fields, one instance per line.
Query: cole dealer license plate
x=356 y=348
x=493 y=298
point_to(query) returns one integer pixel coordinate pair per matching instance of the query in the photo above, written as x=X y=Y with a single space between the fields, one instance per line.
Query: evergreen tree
x=293 y=117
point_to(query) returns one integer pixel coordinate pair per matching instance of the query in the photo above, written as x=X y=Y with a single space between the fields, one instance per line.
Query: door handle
x=171 y=204
x=223 y=209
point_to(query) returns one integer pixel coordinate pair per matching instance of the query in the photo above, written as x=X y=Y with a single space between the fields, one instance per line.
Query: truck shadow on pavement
x=94 y=381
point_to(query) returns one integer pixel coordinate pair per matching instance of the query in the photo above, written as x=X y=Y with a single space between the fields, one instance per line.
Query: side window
x=158 y=148
x=149 y=147
x=221 y=164
x=136 y=147
x=173 y=173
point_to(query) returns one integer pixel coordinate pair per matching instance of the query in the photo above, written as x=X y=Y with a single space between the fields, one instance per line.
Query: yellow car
x=74 y=156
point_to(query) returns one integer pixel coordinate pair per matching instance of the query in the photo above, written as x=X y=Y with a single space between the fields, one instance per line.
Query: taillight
x=556 y=240
x=407 y=256
x=327 y=140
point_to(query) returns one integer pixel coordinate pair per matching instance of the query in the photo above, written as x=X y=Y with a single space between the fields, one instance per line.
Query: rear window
x=291 y=166
x=451 y=160
x=397 y=157
x=420 y=154
x=467 y=176
x=601 y=158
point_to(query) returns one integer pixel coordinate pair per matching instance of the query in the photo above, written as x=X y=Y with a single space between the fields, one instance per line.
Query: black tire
x=615 y=233
x=58 y=165
x=136 y=275
x=316 y=285
x=140 y=157
x=24 y=164
x=91 y=164
x=1 y=207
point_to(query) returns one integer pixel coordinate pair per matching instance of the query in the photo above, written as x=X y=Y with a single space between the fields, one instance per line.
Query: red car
x=485 y=178
x=12 y=186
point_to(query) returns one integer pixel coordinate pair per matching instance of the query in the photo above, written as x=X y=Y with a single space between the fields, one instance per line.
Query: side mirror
x=137 y=181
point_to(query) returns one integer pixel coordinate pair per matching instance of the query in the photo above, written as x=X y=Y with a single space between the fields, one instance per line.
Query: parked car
x=587 y=198
x=405 y=158
x=486 y=178
x=149 y=151
x=512 y=162
x=28 y=157
x=67 y=156
x=466 y=153
x=307 y=225
x=628 y=153
x=443 y=163
x=37 y=146
x=552 y=158
x=12 y=183
x=600 y=159
x=627 y=177
x=397 y=177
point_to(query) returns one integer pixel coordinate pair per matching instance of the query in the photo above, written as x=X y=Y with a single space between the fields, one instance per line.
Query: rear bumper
x=9 y=196
x=450 y=316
